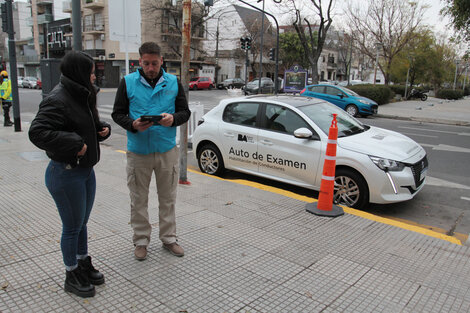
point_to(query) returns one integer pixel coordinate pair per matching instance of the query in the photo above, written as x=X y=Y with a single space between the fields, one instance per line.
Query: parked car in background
x=231 y=83
x=201 y=83
x=20 y=81
x=342 y=97
x=267 y=86
x=285 y=137
x=31 y=82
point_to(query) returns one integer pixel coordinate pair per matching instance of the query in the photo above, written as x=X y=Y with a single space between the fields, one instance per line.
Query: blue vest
x=145 y=100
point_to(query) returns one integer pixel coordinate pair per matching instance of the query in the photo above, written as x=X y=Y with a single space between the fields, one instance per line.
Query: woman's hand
x=83 y=151
x=104 y=132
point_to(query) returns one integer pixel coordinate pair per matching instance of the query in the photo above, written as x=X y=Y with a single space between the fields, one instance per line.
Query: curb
x=425 y=119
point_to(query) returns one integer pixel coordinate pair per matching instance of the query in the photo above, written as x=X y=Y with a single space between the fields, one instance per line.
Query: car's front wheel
x=350 y=189
x=210 y=160
x=352 y=110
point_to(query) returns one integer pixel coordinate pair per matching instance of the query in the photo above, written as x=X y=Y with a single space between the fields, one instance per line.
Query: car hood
x=366 y=99
x=385 y=144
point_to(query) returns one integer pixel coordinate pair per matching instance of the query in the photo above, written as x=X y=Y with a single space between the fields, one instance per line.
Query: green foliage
x=291 y=51
x=398 y=89
x=379 y=93
x=459 y=13
x=466 y=92
x=449 y=94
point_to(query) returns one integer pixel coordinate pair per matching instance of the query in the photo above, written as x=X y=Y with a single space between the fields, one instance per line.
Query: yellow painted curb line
x=346 y=209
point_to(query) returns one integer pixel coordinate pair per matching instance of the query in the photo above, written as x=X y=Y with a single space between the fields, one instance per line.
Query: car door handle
x=229 y=135
x=266 y=142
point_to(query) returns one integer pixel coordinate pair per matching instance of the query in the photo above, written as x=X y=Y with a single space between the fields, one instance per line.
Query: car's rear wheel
x=350 y=189
x=210 y=160
x=352 y=110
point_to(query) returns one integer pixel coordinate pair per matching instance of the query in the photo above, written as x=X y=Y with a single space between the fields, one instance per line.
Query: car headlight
x=363 y=101
x=387 y=164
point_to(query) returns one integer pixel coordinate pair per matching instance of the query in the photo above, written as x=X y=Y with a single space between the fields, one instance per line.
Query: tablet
x=151 y=118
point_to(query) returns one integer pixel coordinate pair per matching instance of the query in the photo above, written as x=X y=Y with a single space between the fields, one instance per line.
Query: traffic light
x=272 y=54
x=4 y=18
x=242 y=43
x=248 y=43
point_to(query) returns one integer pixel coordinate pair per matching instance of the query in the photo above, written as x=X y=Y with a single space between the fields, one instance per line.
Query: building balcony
x=95 y=53
x=332 y=65
x=67 y=6
x=44 y=2
x=93 y=4
x=93 y=29
x=45 y=18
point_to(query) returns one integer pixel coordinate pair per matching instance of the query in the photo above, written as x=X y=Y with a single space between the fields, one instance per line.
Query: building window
x=87 y=23
x=99 y=25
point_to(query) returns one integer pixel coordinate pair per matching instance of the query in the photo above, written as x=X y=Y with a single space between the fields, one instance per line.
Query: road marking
x=434 y=130
x=433 y=181
x=442 y=147
x=348 y=210
x=413 y=134
x=465 y=198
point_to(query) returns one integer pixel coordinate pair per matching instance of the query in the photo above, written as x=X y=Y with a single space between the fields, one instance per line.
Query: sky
x=431 y=18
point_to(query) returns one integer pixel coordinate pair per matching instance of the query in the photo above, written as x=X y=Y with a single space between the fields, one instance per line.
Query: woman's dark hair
x=78 y=66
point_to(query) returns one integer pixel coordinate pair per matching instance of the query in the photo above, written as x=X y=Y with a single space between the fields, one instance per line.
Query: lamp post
x=411 y=58
x=456 y=67
x=377 y=46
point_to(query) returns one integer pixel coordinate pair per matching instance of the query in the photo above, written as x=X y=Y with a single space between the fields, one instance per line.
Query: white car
x=284 y=138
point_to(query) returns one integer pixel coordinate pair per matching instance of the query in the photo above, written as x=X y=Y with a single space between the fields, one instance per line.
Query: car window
x=322 y=115
x=283 y=120
x=332 y=91
x=349 y=92
x=193 y=79
x=243 y=113
x=319 y=89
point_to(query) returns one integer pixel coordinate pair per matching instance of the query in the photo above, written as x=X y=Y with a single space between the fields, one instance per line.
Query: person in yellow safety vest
x=5 y=94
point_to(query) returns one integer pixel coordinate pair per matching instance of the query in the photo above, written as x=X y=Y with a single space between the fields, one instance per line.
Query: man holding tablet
x=150 y=104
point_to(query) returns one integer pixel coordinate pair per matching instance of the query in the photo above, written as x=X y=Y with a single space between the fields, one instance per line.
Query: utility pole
x=377 y=45
x=186 y=42
x=261 y=50
x=76 y=25
x=7 y=26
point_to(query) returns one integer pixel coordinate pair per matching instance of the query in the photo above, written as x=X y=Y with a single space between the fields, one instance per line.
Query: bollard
x=324 y=206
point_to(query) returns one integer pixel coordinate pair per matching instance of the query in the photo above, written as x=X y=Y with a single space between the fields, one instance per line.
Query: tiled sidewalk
x=247 y=250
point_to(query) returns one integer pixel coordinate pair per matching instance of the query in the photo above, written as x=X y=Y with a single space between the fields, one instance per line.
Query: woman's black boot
x=77 y=283
x=93 y=275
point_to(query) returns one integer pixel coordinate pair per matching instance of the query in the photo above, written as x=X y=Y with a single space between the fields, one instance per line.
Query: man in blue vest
x=151 y=145
x=5 y=93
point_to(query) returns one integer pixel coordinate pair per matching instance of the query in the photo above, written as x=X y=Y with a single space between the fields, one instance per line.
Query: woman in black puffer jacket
x=68 y=128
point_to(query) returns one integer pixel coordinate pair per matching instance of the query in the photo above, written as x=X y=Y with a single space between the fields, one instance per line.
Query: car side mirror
x=341 y=95
x=304 y=133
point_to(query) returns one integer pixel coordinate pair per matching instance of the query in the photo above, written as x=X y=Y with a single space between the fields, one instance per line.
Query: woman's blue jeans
x=73 y=190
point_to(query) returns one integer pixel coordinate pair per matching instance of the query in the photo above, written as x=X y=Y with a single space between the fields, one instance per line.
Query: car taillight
x=303 y=90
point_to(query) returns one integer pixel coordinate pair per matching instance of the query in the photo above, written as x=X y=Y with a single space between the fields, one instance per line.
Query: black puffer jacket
x=65 y=122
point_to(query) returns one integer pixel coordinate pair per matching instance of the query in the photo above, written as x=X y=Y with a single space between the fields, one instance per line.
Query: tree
x=171 y=21
x=312 y=37
x=459 y=13
x=386 y=25
x=291 y=51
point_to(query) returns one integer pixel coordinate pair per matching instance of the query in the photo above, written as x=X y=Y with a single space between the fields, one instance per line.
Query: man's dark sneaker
x=93 y=275
x=174 y=249
x=78 y=284
x=8 y=123
x=140 y=253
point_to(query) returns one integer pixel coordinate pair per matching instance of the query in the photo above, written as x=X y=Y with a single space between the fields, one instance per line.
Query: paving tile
x=431 y=300
x=340 y=269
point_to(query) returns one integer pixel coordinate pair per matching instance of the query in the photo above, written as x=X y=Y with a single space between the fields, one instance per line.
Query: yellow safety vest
x=5 y=90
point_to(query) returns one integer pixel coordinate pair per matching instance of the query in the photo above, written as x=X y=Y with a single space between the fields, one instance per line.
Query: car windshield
x=349 y=91
x=254 y=82
x=322 y=115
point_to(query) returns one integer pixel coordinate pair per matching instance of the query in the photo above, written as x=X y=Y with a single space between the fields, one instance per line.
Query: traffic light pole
x=13 y=69
x=276 y=83
x=246 y=69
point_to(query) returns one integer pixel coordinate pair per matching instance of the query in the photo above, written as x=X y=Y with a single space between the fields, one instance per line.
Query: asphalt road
x=442 y=205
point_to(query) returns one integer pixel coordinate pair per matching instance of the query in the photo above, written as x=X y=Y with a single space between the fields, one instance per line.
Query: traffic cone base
x=334 y=212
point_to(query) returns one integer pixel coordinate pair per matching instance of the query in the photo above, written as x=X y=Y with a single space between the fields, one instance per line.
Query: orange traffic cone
x=324 y=206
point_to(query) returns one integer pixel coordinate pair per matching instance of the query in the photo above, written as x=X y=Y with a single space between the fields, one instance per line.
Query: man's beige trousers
x=140 y=168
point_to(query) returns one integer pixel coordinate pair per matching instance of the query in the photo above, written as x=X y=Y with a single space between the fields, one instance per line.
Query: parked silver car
x=30 y=82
